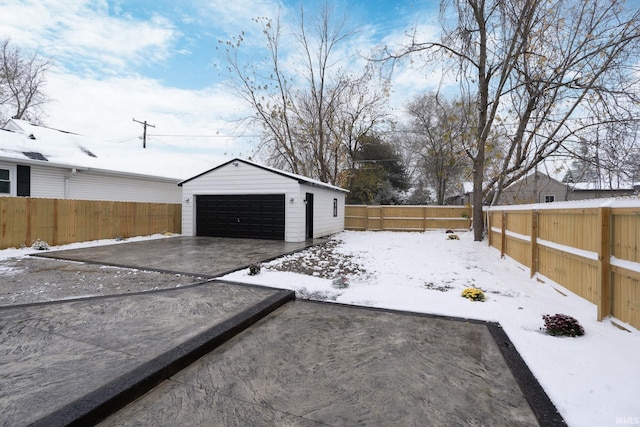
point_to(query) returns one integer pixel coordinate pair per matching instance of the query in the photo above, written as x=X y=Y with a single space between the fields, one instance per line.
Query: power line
x=209 y=136
x=144 y=131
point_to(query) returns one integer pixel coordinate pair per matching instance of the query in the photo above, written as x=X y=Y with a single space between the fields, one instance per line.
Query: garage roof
x=301 y=179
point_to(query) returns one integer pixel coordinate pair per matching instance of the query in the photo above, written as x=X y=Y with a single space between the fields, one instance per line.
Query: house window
x=549 y=199
x=335 y=207
x=5 y=182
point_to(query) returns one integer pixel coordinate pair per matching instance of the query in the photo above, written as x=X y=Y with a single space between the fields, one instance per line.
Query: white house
x=38 y=161
x=243 y=199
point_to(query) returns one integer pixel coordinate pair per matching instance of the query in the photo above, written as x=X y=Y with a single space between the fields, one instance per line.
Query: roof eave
x=276 y=171
x=84 y=168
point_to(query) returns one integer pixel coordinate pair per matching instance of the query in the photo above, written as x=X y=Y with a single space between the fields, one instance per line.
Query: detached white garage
x=247 y=200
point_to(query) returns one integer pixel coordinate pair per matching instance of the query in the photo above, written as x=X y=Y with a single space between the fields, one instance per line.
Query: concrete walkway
x=195 y=356
x=203 y=256
x=321 y=364
x=77 y=361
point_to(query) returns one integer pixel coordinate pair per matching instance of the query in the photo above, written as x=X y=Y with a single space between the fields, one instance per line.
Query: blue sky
x=152 y=60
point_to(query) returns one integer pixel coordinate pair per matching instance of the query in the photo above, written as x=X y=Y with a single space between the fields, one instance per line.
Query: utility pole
x=144 y=131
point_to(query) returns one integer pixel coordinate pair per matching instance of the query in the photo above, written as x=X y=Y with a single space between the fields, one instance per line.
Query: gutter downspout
x=67 y=177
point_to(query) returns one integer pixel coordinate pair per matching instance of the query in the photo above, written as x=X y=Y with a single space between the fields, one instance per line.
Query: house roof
x=530 y=175
x=301 y=179
x=26 y=143
x=616 y=185
x=594 y=186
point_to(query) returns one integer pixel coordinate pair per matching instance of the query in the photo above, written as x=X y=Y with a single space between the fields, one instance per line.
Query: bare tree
x=610 y=158
x=438 y=133
x=541 y=74
x=312 y=111
x=22 y=81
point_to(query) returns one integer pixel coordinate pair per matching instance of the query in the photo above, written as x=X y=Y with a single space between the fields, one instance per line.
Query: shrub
x=340 y=282
x=562 y=325
x=453 y=237
x=254 y=269
x=474 y=294
x=449 y=231
x=40 y=245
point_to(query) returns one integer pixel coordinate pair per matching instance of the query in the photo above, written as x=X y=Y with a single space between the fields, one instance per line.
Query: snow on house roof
x=595 y=186
x=33 y=144
x=557 y=174
x=299 y=178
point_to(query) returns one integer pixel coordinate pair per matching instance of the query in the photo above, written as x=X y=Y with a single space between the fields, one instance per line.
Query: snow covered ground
x=593 y=380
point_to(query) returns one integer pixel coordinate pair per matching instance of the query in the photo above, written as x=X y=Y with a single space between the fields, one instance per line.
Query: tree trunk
x=477 y=198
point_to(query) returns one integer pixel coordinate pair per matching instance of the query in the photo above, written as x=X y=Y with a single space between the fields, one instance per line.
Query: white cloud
x=81 y=32
x=104 y=109
x=229 y=18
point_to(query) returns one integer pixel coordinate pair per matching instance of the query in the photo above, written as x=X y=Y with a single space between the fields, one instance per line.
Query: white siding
x=48 y=182
x=294 y=209
x=242 y=179
x=324 y=223
x=61 y=182
x=89 y=185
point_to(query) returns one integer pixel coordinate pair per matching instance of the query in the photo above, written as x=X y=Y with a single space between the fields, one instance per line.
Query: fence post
x=534 y=242
x=55 y=240
x=604 y=263
x=489 y=226
x=503 y=235
x=424 y=218
x=27 y=238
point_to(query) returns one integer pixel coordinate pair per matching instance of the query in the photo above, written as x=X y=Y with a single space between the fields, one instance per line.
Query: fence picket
x=575 y=248
x=407 y=218
x=62 y=221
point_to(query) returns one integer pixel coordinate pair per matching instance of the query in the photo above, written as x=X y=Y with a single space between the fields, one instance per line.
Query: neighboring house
x=464 y=196
x=535 y=187
x=538 y=187
x=37 y=161
x=244 y=199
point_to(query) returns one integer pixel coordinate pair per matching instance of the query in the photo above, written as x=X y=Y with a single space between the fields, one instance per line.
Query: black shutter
x=24 y=181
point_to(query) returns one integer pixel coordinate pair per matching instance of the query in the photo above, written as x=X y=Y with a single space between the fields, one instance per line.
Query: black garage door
x=255 y=216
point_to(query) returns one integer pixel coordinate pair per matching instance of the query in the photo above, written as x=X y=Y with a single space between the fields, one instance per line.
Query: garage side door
x=253 y=216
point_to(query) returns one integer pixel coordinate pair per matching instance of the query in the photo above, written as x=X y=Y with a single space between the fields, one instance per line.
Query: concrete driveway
x=215 y=353
x=202 y=256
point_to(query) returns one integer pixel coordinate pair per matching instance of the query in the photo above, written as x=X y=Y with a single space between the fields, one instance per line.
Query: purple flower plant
x=562 y=325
